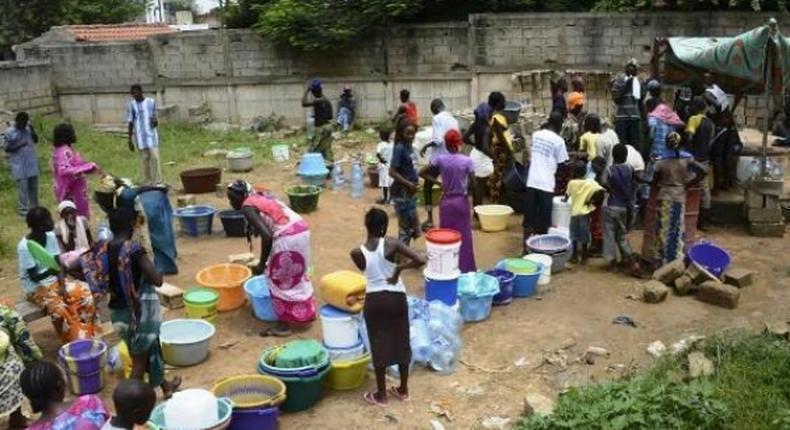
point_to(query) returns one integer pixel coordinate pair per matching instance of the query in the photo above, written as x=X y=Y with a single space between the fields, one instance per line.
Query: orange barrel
x=227 y=280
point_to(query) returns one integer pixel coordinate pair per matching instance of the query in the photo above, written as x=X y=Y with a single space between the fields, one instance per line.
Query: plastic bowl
x=548 y=243
x=227 y=280
x=303 y=198
x=185 y=342
x=493 y=217
x=251 y=391
x=225 y=406
x=712 y=258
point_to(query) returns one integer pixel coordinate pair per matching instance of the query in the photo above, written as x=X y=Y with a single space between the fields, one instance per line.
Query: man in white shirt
x=141 y=116
x=547 y=152
x=441 y=123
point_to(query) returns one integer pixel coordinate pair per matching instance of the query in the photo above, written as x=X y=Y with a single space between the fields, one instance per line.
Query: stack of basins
x=441 y=273
x=341 y=322
x=312 y=169
x=302 y=365
x=527 y=274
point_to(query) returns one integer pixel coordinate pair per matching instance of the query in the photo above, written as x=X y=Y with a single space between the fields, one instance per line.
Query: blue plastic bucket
x=258 y=292
x=505 y=280
x=712 y=258
x=196 y=220
x=526 y=284
x=475 y=309
x=254 y=419
x=444 y=290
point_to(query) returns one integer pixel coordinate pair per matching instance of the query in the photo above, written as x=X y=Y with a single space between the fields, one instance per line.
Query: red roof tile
x=104 y=33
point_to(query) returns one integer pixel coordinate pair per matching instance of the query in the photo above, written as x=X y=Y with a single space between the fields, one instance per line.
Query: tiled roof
x=105 y=33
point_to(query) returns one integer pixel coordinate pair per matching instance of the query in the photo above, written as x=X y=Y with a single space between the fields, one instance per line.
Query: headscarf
x=575 y=99
x=66 y=204
x=665 y=114
x=241 y=188
x=453 y=140
x=80 y=231
x=315 y=84
x=483 y=112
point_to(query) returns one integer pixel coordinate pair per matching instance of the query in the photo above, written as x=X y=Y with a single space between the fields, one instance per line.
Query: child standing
x=69 y=170
x=585 y=194
x=134 y=400
x=386 y=309
x=405 y=182
x=384 y=154
x=588 y=143
x=618 y=212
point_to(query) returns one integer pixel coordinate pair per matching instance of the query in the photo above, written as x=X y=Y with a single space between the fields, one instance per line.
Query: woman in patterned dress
x=17 y=349
x=285 y=255
x=501 y=145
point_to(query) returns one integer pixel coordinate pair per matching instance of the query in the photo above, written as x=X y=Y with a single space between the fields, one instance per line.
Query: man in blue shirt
x=20 y=147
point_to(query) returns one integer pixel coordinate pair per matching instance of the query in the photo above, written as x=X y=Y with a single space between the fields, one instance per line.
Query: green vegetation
x=750 y=390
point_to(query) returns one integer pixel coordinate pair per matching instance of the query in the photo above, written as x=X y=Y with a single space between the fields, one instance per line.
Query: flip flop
x=393 y=391
x=370 y=398
x=273 y=332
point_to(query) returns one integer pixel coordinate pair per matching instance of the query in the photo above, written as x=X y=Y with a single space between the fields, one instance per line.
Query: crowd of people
x=608 y=172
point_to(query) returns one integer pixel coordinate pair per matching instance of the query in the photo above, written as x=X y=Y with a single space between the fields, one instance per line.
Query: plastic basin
x=251 y=391
x=548 y=244
x=196 y=220
x=346 y=354
x=303 y=198
x=201 y=303
x=227 y=280
x=260 y=297
x=234 y=223
x=493 y=217
x=185 y=342
x=225 y=407
x=505 y=279
x=526 y=284
x=239 y=161
x=255 y=419
x=347 y=375
x=712 y=258
x=201 y=180
x=474 y=309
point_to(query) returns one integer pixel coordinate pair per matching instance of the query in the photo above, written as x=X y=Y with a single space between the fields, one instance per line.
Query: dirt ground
x=574 y=312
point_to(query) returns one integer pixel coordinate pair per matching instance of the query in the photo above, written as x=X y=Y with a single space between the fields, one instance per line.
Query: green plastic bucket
x=303 y=393
x=201 y=303
x=520 y=266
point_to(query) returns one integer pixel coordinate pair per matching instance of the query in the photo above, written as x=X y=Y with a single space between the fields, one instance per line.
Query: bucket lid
x=331 y=312
x=201 y=296
x=301 y=353
x=518 y=265
x=443 y=236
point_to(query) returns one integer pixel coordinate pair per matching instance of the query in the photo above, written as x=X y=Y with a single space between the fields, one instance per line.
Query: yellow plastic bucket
x=201 y=304
x=347 y=375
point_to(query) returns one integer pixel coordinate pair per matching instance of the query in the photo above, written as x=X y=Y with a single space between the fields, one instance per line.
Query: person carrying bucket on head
x=285 y=255
x=386 y=309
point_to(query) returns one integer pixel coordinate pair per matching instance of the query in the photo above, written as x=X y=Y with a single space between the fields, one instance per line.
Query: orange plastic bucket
x=227 y=280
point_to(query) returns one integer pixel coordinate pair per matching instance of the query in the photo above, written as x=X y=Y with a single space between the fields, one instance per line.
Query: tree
x=243 y=13
x=22 y=20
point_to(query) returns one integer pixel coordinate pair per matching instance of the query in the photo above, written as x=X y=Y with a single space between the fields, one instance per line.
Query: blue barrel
x=444 y=290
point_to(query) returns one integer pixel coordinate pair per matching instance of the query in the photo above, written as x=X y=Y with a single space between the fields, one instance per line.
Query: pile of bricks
x=693 y=279
x=762 y=210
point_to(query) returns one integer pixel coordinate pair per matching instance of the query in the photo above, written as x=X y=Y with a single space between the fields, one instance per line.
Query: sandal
x=275 y=332
x=370 y=398
x=393 y=391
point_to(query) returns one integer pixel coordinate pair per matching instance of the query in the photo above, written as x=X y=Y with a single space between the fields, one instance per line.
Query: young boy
x=405 y=182
x=618 y=212
x=386 y=309
x=134 y=400
x=384 y=154
x=585 y=194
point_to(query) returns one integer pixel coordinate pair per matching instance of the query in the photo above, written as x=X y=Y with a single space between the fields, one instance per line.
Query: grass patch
x=750 y=390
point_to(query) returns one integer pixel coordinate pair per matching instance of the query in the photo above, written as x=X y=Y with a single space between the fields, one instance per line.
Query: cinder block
x=739 y=277
x=719 y=294
x=767 y=229
x=764 y=215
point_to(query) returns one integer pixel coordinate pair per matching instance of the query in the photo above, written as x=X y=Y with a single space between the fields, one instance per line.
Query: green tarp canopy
x=738 y=64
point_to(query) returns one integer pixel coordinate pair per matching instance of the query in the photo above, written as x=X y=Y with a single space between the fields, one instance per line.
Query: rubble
x=667 y=273
x=535 y=403
x=739 y=277
x=719 y=294
x=699 y=365
x=684 y=286
x=654 y=292
x=656 y=349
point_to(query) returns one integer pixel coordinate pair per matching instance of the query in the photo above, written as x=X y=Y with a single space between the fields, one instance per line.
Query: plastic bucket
x=526 y=284
x=196 y=220
x=443 y=247
x=712 y=258
x=340 y=329
x=444 y=290
x=546 y=261
x=233 y=223
x=280 y=153
x=561 y=213
x=259 y=295
x=303 y=393
x=347 y=375
x=505 y=279
x=475 y=309
x=346 y=354
x=201 y=303
x=84 y=362
x=254 y=419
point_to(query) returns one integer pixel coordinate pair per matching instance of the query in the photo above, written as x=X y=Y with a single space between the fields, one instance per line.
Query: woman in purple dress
x=456 y=170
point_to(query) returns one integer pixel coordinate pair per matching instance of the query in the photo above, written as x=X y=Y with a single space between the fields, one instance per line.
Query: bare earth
x=576 y=311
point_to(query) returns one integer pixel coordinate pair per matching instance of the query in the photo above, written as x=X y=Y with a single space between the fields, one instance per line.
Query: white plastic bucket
x=544 y=260
x=341 y=329
x=442 y=253
x=561 y=213
x=280 y=153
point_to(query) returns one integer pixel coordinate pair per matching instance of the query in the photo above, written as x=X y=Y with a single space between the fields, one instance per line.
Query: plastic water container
x=444 y=290
x=444 y=357
x=346 y=354
x=341 y=329
x=357 y=181
x=338 y=180
x=561 y=213
x=443 y=247
x=420 y=341
x=191 y=409
x=546 y=261
x=505 y=279
x=259 y=295
x=337 y=287
x=446 y=314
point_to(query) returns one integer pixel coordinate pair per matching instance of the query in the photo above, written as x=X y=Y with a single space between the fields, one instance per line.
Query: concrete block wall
x=26 y=86
x=98 y=66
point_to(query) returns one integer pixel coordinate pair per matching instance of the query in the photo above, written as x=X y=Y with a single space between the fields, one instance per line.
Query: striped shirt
x=141 y=116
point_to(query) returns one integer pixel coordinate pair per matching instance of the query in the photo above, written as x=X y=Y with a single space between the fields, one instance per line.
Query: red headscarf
x=453 y=140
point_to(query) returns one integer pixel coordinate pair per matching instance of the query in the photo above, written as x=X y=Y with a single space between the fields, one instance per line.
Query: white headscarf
x=80 y=232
